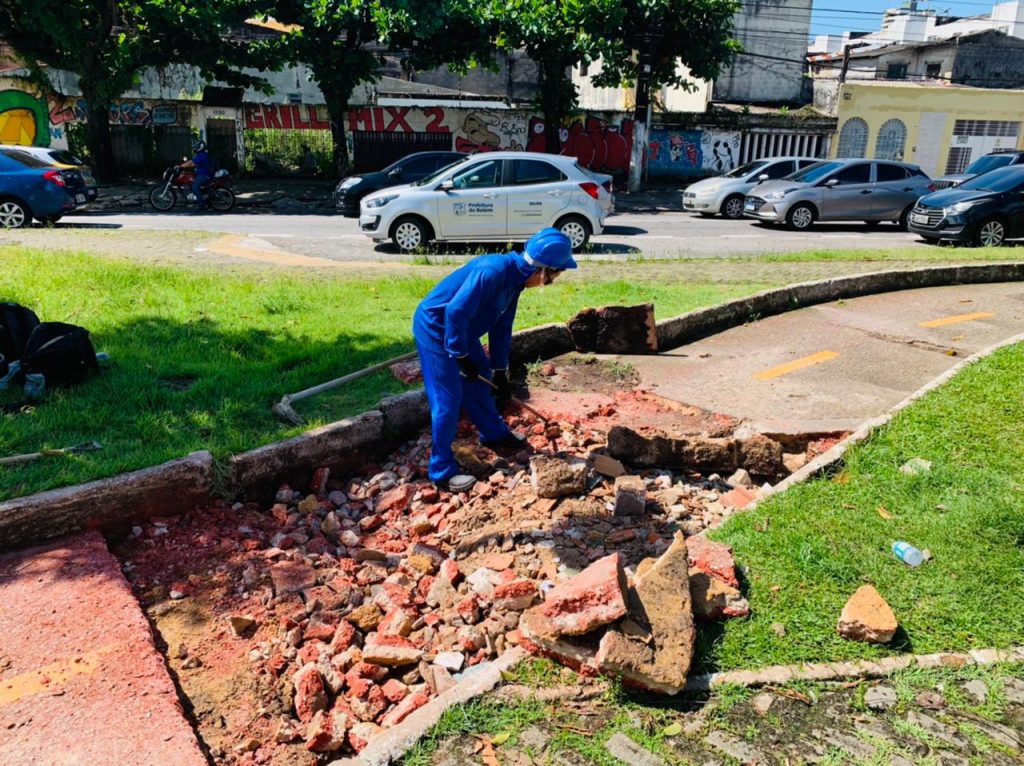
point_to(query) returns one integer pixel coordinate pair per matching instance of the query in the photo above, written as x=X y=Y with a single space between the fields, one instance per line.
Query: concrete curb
x=698 y=324
x=834 y=456
x=777 y=675
x=393 y=743
x=164 y=489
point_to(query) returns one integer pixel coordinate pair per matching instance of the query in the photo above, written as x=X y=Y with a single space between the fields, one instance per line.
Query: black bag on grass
x=61 y=352
x=16 y=325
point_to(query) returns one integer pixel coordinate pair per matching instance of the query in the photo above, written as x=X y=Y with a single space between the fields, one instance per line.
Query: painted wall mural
x=691 y=152
x=24 y=119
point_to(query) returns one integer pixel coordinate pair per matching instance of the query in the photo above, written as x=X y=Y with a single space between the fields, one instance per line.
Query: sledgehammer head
x=283 y=411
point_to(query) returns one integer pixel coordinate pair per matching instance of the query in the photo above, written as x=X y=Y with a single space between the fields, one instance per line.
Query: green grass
x=825 y=537
x=199 y=356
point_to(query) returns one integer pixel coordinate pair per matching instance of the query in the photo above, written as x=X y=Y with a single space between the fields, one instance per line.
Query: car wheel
x=161 y=198
x=990 y=233
x=800 y=217
x=732 y=208
x=904 y=220
x=576 y=229
x=409 y=234
x=14 y=214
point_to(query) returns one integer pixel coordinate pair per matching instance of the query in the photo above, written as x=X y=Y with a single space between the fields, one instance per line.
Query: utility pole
x=846 y=64
x=640 y=109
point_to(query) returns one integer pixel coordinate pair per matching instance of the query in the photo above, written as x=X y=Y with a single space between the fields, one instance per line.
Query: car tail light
x=590 y=188
x=54 y=176
x=607 y=186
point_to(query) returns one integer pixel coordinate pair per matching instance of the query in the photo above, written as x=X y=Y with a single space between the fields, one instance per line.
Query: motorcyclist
x=203 y=165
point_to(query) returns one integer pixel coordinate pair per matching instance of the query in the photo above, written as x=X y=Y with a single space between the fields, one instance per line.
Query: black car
x=987 y=210
x=407 y=170
x=999 y=158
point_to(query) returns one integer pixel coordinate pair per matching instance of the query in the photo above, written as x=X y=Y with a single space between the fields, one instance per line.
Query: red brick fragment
x=404 y=709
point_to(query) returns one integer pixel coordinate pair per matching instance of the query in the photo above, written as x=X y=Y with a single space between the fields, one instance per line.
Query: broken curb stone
x=615 y=330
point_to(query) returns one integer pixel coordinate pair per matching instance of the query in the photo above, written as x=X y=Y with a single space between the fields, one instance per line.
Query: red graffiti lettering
x=253 y=117
x=436 y=113
x=271 y=118
x=360 y=116
x=286 y=116
x=297 y=120
x=315 y=121
x=398 y=123
x=378 y=119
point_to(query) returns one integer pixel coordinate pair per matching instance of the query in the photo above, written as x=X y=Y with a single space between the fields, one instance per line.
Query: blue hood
x=947 y=197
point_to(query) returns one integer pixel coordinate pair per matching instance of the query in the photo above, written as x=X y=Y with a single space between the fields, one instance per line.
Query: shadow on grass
x=176 y=387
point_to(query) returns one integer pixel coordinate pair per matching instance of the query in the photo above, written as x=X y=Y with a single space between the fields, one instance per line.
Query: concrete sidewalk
x=80 y=679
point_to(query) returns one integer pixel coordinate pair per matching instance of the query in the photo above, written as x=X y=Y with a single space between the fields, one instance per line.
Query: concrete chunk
x=594 y=597
x=553 y=477
x=630 y=496
x=867 y=617
x=615 y=330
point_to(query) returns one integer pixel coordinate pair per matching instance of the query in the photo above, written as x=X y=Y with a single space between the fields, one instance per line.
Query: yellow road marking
x=956 y=319
x=49 y=677
x=799 y=364
x=232 y=244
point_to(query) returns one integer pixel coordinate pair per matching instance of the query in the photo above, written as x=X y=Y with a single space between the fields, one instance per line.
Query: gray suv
x=839 y=190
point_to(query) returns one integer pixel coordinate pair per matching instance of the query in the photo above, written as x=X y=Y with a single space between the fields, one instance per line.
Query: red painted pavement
x=81 y=682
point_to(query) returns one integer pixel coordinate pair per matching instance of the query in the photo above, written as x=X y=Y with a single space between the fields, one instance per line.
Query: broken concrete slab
x=615 y=330
x=653 y=648
x=554 y=477
x=867 y=617
x=714 y=599
x=653 y=448
x=761 y=456
x=593 y=598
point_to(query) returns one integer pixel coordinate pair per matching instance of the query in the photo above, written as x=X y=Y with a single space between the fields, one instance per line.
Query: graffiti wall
x=599 y=144
x=24 y=119
x=698 y=152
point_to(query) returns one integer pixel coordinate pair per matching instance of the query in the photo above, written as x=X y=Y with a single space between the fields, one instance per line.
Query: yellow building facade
x=942 y=129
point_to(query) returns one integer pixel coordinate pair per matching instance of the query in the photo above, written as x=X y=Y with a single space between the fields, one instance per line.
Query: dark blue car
x=986 y=210
x=32 y=188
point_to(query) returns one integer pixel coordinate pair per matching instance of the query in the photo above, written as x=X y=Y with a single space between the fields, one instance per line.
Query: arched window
x=853 y=139
x=891 y=138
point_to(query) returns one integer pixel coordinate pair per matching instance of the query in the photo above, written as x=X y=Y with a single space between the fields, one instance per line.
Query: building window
x=958 y=159
x=853 y=139
x=891 y=138
x=933 y=70
x=896 y=72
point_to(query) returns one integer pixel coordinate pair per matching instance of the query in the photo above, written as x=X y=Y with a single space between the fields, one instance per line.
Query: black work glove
x=503 y=387
x=467 y=368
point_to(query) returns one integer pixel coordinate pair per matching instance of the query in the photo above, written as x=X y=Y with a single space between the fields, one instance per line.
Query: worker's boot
x=460 y=482
x=513 y=440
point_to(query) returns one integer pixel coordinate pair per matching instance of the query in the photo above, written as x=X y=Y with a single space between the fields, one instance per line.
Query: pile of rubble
x=367 y=596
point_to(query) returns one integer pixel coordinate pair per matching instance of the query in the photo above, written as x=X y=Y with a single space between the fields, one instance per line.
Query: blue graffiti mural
x=675 y=153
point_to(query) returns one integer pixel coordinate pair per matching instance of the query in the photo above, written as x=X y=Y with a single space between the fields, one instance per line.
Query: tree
x=557 y=35
x=108 y=42
x=341 y=42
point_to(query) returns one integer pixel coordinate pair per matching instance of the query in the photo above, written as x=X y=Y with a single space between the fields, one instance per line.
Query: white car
x=491 y=197
x=724 y=194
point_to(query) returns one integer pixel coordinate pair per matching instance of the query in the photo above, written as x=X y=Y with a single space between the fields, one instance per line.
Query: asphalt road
x=833 y=366
x=628 y=235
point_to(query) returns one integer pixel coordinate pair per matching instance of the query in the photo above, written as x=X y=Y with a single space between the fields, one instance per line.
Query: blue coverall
x=479 y=298
x=204 y=172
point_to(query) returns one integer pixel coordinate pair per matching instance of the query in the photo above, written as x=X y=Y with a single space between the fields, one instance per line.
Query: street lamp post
x=648 y=41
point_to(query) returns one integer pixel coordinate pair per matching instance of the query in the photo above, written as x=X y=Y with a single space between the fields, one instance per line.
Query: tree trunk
x=98 y=135
x=337 y=109
x=550 y=104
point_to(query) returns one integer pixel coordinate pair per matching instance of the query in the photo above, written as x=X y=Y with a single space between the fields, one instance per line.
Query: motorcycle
x=177 y=186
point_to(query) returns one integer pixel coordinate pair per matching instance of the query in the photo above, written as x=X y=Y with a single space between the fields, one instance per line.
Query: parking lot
x=628 y=235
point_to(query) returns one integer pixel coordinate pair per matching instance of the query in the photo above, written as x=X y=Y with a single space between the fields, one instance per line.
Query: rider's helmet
x=198 y=146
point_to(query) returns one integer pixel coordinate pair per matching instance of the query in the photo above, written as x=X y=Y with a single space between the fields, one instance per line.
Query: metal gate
x=172 y=143
x=128 y=142
x=222 y=142
x=372 y=150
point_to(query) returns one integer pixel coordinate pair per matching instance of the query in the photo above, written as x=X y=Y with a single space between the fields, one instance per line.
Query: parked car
x=1000 y=158
x=492 y=197
x=33 y=188
x=410 y=169
x=986 y=210
x=840 y=190
x=62 y=158
x=724 y=194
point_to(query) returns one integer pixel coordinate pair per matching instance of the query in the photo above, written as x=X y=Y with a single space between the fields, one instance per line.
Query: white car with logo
x=491 y=197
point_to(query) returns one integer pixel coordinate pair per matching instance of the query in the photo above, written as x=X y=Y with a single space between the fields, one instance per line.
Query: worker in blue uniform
x=478 y=299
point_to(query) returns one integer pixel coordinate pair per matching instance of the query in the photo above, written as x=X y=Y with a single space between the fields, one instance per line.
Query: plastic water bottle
x=907 y=553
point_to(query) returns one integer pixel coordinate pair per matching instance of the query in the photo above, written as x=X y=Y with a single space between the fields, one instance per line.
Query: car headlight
x=959 y=207
x=349 y=182
x=776 y=195
x=379 y=201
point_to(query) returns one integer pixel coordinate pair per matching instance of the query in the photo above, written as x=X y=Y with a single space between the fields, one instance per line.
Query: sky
x=837 y=16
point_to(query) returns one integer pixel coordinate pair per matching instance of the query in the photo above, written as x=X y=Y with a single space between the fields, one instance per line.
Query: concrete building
x=941 y=128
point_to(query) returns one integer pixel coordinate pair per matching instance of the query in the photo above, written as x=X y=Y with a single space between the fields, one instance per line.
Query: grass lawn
x=807 y=550
x=199 y=356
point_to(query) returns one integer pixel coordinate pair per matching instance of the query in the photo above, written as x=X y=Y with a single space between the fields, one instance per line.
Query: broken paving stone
x=496 y=561
x=761 y=456
x=390 y=651
x=762 y=703
x=660 y=606
x=626 y=750
x=713 y=599
x=554 y=477
x=867 y=617
x=452 y=661
x=593 y=598
x=916 y=466
x=630 y=496
x=608 y=466
x=515 y=596
x=292 y=576
x=880 y=698
x=241 y=623
x=976 y=690
x=615 y=330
